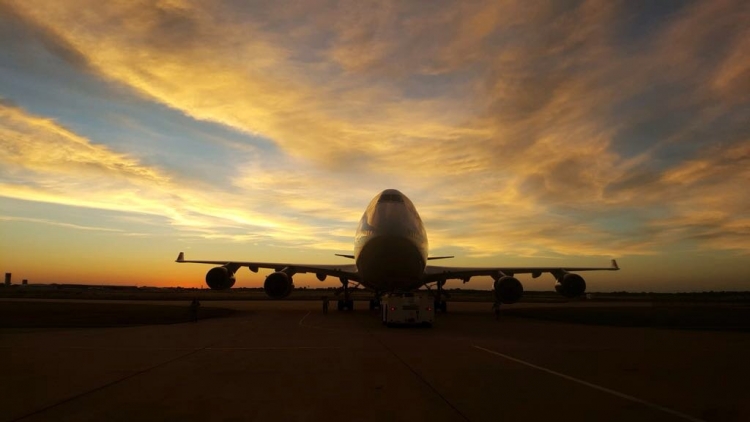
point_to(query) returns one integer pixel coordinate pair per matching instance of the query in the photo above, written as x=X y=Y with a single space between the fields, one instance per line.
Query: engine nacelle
x=278 y=285
x=219 y=278
x=570 y=285
x=508 y=289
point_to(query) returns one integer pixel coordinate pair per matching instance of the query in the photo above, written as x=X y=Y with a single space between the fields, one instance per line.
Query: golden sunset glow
x=524 y=133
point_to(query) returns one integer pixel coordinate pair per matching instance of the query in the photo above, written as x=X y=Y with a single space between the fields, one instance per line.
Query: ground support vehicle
x=408 y=309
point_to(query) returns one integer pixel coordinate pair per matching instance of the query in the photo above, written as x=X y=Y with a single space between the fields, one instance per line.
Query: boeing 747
x=390 y=254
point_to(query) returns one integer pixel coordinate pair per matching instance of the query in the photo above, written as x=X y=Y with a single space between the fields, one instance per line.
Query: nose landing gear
x=346 y=304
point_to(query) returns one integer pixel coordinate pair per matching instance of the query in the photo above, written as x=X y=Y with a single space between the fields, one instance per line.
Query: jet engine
x=278 y=285
x=220 y=278
x=508 y=289
x=570 y=285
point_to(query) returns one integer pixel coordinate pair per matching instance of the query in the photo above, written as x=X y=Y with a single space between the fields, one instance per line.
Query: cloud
x=63 y=151
x=709 y=200
x=43 y=161
x=537 y=130
x=59 y=224
x=218 y=68
x=16 y=26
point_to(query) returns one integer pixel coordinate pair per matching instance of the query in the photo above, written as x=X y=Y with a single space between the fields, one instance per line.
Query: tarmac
x=287 y=361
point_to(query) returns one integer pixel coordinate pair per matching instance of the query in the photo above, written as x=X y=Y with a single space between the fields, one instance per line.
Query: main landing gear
x=347 y=303
x=440 y=304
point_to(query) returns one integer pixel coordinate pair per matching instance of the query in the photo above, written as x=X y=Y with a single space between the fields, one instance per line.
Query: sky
x=526 y=133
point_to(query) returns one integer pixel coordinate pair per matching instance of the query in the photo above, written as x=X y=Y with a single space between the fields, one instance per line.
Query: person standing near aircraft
x=496 y=309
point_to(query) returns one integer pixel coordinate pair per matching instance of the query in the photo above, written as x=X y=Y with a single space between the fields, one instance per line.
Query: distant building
x=25 y=282
x=7 y=279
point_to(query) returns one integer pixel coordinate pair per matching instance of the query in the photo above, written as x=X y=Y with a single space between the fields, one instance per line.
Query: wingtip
x=180 y=257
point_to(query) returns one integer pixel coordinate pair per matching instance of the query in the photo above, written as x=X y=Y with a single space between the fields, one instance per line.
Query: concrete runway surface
x=288 y=361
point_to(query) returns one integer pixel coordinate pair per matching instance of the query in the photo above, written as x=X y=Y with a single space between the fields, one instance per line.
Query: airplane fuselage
x=390 y=246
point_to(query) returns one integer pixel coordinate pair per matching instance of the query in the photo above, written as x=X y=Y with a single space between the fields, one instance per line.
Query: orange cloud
x=62 y=150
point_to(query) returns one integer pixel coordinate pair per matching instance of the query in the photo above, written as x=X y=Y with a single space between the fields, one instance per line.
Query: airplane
x=390 y=255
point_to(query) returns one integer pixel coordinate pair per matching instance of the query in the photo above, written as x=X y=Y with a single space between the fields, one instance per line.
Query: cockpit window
x=390 y=197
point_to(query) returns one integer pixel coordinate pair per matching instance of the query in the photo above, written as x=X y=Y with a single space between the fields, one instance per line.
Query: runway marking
x=103 y=386
x=419 y=377
x=303 y=318
x=594 y=386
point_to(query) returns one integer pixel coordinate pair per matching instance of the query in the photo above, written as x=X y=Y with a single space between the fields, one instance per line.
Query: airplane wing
x=348 y=272
x=437 y=273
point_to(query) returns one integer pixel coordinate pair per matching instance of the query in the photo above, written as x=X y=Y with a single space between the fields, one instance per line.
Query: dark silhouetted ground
x=285 y=360
x=37 y=314
x=685 y=316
